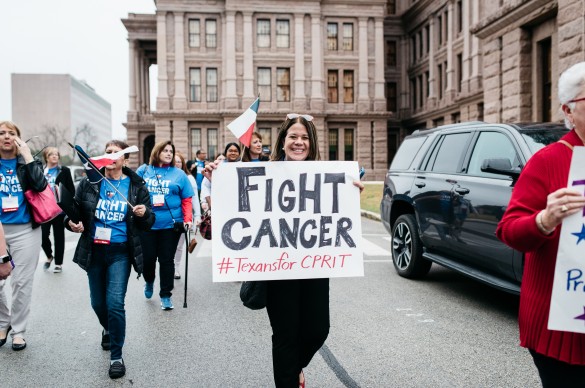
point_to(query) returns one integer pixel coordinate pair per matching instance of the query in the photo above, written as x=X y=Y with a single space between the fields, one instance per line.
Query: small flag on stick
x=243 y=126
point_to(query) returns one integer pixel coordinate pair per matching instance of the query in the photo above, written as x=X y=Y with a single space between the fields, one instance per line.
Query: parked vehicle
x=77 y=173
x=445 y=192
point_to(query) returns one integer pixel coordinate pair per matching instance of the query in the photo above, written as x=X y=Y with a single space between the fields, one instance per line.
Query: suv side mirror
x=500 y=166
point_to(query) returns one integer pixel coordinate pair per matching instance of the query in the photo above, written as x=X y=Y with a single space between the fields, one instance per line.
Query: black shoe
x=117 y=370
x=46 y=265
x=3 y=341
x=18 y=347
x=105 y=340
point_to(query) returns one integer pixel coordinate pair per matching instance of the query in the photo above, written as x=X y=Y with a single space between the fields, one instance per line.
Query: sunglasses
x=292 y=116
x=577 y=99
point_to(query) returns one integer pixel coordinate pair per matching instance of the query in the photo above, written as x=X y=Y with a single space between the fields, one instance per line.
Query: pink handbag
x=42 y=204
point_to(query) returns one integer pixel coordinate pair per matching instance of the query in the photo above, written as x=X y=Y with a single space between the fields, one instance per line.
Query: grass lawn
x=371 y=197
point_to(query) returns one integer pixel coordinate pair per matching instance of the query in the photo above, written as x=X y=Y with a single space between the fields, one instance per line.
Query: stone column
x=181 y=136
x=132 y=87
x=450 y=91
x=162 y=101
x=180 y=98
x=363 y=95
x=466 y=46
x=379 y=98
x=404 y=82
x=138 y=80
x=475 y=78
x=299 y=100
x=249 y=75
x=229 y=56
x=317 y=102
x=432 y=99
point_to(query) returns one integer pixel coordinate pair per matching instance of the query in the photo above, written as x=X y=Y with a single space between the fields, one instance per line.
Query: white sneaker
x=57 y=269
x=177 y=275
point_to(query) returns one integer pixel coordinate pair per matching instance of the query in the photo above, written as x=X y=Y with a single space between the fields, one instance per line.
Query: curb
x=371 y=215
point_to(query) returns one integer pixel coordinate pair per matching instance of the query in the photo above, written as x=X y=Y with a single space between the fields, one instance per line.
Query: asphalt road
x=443 y=331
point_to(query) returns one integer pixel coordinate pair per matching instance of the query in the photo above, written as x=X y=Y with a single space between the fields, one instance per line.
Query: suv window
x=407 y=152
x=492 y=145
x=447 y=153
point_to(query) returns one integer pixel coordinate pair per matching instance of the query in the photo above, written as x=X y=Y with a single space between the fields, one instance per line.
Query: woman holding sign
x=112 y=213
x=532 y=223
x=298 y=309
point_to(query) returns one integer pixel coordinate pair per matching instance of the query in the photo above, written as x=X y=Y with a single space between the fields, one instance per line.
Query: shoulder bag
x=42 y=204
x=254 y=294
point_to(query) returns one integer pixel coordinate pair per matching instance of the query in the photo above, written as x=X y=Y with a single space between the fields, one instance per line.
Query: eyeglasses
x=577 y=100
x=292 y=116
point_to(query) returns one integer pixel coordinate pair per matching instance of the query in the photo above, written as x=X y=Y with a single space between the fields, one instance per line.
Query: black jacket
x=64 y=176
x=87 y=196
x=31 y=177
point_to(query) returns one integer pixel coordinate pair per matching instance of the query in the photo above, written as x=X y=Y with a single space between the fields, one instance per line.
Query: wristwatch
x=6 y=258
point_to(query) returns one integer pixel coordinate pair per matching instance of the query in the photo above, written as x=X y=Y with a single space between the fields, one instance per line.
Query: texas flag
x=243 y=126
x=107 y=159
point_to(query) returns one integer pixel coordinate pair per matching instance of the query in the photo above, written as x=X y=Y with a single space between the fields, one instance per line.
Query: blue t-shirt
x=112 y=208
x=10 y=187
x=51 y=176
x=174 y=185
x=199 y=178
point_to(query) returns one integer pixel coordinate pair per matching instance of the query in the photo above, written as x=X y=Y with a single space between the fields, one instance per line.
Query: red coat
x=546 y=172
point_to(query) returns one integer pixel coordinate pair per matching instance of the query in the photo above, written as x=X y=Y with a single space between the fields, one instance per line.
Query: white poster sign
x=567 y=308
x=286 y=220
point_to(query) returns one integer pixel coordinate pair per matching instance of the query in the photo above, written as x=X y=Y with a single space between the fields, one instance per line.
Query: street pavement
x=386 y=331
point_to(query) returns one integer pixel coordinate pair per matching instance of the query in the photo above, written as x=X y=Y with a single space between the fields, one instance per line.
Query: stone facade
x=319 y=57
x=462 y=60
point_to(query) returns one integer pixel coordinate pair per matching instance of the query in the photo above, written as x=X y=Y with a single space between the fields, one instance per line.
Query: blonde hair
x=49 y=150
x=10 y=125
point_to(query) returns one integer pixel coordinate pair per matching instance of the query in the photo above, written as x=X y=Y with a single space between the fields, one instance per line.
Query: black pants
x=299 y=315
x=557 y=374
x=58 y=235
x=160 y=244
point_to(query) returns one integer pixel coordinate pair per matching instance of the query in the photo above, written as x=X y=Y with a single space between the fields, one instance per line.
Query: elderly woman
x=532 y=222
x=113 y=212
x=55 y=174
x=19 y=172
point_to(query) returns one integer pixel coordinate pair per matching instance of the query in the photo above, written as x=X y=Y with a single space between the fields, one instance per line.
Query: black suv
x=445 y=192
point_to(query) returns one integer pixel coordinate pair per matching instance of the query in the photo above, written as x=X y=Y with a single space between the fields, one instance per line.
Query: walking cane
x=187 y=239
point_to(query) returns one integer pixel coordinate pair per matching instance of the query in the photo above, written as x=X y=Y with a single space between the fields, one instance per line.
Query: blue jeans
x=108 y=275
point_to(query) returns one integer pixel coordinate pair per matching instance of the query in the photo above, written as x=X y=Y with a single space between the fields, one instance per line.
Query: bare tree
x=86 y=139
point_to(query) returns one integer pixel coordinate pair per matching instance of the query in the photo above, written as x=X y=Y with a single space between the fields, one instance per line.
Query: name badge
x=158 y=200
x=9 y=204
x=102 y=235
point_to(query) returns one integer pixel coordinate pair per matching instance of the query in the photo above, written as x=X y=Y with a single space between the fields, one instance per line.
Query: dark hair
x=199 y=152
x=229 y=145
x=278 y=152
x=158 y=149
x=118 y=143
x=246 y=157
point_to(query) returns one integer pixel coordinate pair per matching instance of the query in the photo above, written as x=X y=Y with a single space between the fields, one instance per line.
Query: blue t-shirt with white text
x=112 y=208
x=10 y=187
x=171 y=182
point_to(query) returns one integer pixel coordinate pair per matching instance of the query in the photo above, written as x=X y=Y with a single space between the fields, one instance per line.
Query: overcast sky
x=83 y=38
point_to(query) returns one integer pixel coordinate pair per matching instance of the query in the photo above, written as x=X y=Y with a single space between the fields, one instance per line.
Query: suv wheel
x=407 y=249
